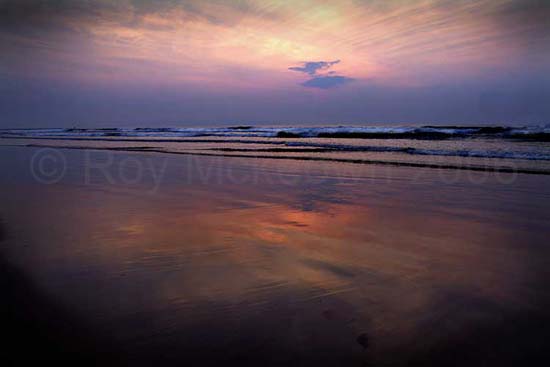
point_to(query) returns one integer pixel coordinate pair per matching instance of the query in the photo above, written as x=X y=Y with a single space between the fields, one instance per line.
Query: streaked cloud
x=397 y=42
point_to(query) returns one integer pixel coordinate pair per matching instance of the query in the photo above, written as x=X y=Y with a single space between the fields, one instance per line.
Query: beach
x=275 y=183
x=141 y=257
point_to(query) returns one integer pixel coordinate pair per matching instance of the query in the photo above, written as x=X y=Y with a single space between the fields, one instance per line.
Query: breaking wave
x=533 y=133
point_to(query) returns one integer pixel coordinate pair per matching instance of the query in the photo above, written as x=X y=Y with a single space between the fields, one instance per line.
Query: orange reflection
x=385 y=262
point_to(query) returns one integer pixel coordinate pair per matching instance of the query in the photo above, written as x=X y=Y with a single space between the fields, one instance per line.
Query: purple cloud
x=312 y=67
x=325 y=80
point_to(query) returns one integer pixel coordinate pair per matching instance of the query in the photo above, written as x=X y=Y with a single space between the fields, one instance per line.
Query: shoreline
x=298 y=158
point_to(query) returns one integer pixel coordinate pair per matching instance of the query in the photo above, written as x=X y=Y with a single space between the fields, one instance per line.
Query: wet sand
x=141 y=258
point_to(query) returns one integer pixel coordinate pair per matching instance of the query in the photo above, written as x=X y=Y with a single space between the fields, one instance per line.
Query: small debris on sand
x=329 y=314
x=363 y=340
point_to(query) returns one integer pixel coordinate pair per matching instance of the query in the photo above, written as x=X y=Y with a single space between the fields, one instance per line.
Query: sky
x=93 y=63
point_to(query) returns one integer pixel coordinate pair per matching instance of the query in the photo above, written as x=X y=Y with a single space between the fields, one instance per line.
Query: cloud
x=327 y=81
x=312 y=67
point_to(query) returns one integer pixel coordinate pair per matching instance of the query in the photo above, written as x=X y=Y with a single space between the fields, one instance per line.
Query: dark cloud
x=21 y=15
x=528 y=22
x=46 y=20
x=327 y=81
x=312 y=67
x=532 y=13
x=37 y=12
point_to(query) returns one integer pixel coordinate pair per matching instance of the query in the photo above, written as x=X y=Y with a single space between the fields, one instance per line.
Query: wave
x=319 y=148
x=428 y=132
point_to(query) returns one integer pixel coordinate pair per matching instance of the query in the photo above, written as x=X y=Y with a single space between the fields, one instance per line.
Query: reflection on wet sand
x=319 y=273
